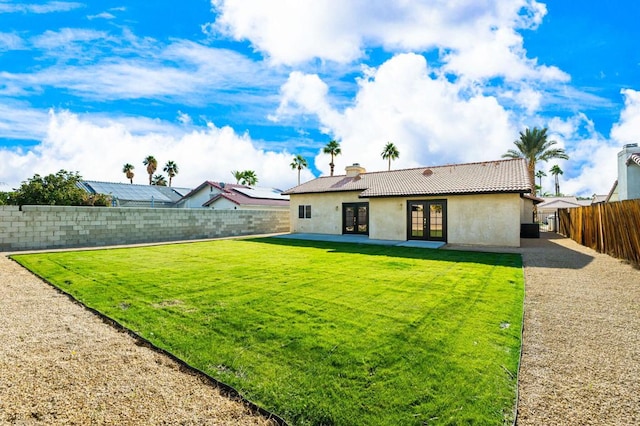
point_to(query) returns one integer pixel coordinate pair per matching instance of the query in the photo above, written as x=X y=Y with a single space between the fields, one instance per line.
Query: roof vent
x=221 y=184
x=427 y=172
x=630 y=145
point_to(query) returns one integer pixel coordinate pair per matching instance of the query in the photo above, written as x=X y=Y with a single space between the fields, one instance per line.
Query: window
x=304 y=212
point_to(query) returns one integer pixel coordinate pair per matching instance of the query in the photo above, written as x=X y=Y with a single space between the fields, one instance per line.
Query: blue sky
x=227 y=85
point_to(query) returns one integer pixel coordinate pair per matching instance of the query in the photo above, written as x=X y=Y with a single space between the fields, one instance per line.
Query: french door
x=427 y=220
x=355 y=218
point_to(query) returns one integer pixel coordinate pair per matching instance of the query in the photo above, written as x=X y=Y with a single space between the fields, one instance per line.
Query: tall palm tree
x=159 y=180
x=555 y=171
x=390 y=152
x=238 y=175
x=539 y=175
x=249 y=178
x=534 y=146
x=172 y=170
x=127 y=169
x=332 y=148
x=299 y=162
x=152 y=165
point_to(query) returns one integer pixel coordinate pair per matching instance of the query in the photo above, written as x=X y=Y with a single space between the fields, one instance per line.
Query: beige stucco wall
x=326 y=212
x=483 y=219
x=491 y=219
x=526 y=210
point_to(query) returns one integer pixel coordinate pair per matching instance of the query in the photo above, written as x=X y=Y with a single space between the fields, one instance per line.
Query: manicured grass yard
x=321 y=333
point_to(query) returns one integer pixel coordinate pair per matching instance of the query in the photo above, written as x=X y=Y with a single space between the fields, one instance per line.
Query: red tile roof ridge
x=430 y=167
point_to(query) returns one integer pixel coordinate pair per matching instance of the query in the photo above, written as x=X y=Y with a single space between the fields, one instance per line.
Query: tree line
x=171 y=168
x=332 y=148
x=63 y=187
x=534 y=146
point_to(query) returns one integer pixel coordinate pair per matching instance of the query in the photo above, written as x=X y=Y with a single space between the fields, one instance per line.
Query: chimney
x=628 y=172
x=355 y=170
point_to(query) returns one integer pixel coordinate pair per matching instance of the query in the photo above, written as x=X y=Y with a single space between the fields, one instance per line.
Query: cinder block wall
x=45 y=227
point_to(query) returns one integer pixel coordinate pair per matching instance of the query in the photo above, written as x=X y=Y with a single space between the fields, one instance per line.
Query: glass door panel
x=355 y=218
x=349 y=219
x=363 y=219
x=417 y=220
x=427 y=220
x=436 y=228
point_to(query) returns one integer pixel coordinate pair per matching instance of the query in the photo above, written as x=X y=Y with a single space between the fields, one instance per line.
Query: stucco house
x=627 y=186
x=472 y=204
x=229 y=196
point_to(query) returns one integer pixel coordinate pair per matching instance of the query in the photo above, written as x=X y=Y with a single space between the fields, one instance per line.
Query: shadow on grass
x=496 y=259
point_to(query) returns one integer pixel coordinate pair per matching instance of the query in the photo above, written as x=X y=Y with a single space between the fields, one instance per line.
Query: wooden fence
x=611 y=228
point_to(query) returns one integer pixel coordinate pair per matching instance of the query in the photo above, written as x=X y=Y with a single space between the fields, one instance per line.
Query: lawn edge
x=225 y=389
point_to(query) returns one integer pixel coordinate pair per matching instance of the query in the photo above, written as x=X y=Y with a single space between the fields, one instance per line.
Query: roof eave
x=445 y=194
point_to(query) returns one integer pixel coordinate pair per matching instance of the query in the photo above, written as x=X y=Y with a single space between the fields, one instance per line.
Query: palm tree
x=533 y=146
x=555 y=171
x=390 y=152
x=299 y=162
x=332 y=148
x=249 y=178
x=127 y=169
x=172 y=170
x=159 y=180
x=539 y=175
x=152 y=164
x=238 y=175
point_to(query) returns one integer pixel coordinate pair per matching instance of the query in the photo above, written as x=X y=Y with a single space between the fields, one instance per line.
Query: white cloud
x=103 y=15
x=431 y=120
x=98 y=149
x=144 y=68
x=627 y=129
x=10 y=41
x=46 y=7
x=19 y=121
x=479 y=38
x=303 y=94
x=53 y=40
x=592 y=164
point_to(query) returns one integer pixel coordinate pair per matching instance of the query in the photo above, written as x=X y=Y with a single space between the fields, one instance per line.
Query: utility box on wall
x=529 y=230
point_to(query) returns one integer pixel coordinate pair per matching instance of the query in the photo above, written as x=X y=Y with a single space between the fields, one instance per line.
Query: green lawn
x=321 y=333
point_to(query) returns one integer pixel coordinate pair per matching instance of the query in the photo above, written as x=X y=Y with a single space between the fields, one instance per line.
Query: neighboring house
x=130 y=195
x=598 y=198
x=548 y=209
x=229 y=196
x=476 y=203
x=627 y=187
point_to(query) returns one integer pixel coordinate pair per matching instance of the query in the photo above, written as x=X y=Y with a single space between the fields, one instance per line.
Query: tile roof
x=486 y=177
x=634 y=158
x=243 y=195
x=244 y=200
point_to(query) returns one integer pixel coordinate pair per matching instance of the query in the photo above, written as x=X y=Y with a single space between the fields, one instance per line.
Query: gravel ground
x=581 y=354
x=62 y=365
